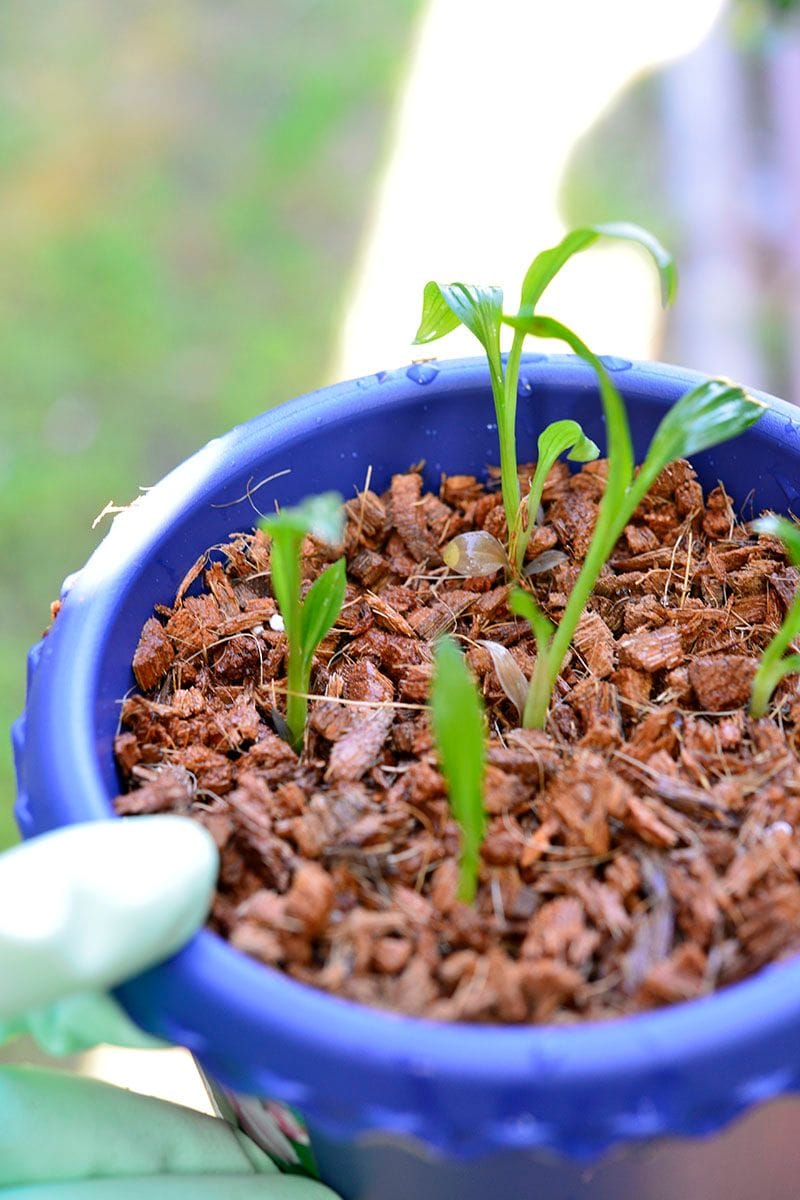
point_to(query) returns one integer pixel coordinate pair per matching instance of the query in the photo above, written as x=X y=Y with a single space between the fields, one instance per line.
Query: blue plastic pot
x=397 y=1108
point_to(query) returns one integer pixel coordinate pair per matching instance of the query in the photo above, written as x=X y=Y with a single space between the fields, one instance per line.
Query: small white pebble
x=276 y=623
x=779 y=827
x=257 y=629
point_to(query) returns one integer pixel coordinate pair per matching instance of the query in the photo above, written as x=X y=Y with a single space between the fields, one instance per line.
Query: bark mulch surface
x=641 y=851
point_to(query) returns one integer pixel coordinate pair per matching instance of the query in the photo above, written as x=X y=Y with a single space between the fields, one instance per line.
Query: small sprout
x=475 y=553
x=458 y=731
x=557 y=438
x=713 y=412
x=775 y=662
x=306 y=622
x=480 y=309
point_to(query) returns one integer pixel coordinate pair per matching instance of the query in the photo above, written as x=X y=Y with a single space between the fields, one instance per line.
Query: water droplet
x=381 y=376
x=424 y=372
x=612 y=363
x=364 y=382
x=524 y=387
x=791 y=428
x=492 y=427
x=788 y=488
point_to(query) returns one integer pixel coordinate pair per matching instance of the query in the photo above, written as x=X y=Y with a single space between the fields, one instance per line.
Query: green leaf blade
x=458 y=730
x=566 y=435
x=285 y=577
x=479 y=309
x=522 y=604
x=709 y=414
x=322 y=516
x=438 y=319
x=322 y=606
x=549 y=263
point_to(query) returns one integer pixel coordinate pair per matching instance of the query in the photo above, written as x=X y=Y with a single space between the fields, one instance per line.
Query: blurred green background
x=182 y=191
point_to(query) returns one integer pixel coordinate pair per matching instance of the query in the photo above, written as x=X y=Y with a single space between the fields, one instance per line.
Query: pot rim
x=669 y=1044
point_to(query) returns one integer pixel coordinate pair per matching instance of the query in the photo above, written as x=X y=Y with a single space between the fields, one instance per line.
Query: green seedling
x=775 y=662
x=306 y=621
x=479 y=552
x=709 y=414
x=458 y=731
x=480 y=309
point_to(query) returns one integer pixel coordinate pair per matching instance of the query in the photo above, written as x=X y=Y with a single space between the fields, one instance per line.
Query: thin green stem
x=468 y=868
x=532 y=508
x=538 y=698
x=506 y=410
x=296 y=681
x=296 y=701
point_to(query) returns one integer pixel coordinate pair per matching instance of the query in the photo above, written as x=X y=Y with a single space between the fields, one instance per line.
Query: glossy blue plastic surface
x=464 y=1091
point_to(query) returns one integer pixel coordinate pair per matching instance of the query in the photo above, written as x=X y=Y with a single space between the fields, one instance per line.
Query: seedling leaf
x=438 y=318
x=457 y=724
x=558 y=437
x=322 y=516
x=714 y=412
x=305 y=623
x=522 y=604
x=322 y=605
x=547 y=265
x=480 y=309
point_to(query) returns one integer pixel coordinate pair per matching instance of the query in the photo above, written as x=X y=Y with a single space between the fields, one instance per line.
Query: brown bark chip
x=641 y=850
x=359 y=748
x=594 y=641
x=407 y=517
x=154 y=655
x=722 y=682
x=658 y=650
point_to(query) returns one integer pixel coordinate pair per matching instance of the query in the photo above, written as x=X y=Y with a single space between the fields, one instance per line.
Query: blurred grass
x=182 y=190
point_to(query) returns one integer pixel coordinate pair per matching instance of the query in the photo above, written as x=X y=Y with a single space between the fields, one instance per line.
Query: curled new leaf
x=557 y=438
x=457 y=724
x=509 y=674
x=475 y=553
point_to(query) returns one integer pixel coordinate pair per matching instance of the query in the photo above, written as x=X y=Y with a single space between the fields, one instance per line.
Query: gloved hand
x=81 y=909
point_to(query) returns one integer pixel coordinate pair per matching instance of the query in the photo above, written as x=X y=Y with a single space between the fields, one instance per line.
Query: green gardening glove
x=82 y=909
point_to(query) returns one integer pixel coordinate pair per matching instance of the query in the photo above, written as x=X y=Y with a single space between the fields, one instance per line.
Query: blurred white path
x=495 y=98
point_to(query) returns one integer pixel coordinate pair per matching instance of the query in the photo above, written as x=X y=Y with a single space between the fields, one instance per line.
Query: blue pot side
x=643 y=1107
